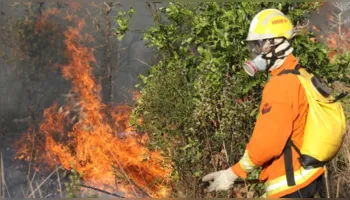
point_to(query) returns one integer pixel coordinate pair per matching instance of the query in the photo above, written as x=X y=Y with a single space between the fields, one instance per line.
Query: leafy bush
x=197 y=103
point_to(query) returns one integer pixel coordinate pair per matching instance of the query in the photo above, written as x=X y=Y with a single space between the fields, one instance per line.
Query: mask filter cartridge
x=257 y=64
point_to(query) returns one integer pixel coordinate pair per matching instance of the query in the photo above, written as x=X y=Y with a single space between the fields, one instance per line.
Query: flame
x=336 y=40
x=316 y=28
x=68 y=17
x=136 y=95
x=338 y=43
x=75 y=6
x=330 y=17
x=96 y=138
x=42 y=22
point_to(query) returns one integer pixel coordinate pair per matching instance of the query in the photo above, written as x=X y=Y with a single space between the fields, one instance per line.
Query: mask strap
x=275 y=56
x=283 y=51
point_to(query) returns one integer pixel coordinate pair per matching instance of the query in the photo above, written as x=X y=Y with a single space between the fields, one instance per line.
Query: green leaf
x=193 y=90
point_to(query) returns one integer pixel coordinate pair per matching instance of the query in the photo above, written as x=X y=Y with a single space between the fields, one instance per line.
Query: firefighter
x=282 y=116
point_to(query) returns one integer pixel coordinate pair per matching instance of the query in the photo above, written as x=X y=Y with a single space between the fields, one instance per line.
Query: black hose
x=105 y=192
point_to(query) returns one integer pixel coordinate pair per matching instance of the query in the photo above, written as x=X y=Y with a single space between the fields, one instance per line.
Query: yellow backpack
x=325 y=124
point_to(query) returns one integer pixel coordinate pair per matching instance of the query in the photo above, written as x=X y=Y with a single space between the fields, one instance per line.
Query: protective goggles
x=255 y=47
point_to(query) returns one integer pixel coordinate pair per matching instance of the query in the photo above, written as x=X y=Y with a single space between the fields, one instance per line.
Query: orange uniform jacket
x=282 y=114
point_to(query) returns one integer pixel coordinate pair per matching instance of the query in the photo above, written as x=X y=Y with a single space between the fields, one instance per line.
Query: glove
x=221 y=180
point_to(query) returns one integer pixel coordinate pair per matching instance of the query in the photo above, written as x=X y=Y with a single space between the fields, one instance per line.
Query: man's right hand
x=220 y=180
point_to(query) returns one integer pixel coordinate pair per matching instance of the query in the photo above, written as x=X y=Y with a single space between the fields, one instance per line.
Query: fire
x=96 y=138
x=338 y=42
x=316 y=28
x=136 y=95
x=335 y=40
x=75 y=6
x=42 y=22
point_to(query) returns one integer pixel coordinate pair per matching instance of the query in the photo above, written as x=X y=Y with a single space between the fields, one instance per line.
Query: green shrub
x=197 y=103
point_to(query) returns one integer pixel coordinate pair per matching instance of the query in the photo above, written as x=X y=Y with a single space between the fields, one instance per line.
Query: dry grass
x=39 y=185
x=3 y=182
x=32 y=190
x=340 y=171
x=340 y=166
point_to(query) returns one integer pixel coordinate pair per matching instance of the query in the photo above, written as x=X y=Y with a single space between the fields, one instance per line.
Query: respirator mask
x=256 y=62
x=266 y=55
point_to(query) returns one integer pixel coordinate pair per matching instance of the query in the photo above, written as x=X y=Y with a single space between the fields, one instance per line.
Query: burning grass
x=96 y=139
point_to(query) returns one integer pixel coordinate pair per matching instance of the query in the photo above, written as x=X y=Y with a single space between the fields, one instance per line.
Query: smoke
x=129 y=58
x=29 y=86
x=330 y=17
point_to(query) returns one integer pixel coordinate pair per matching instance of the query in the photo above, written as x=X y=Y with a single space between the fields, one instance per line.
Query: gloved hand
x=221 y=180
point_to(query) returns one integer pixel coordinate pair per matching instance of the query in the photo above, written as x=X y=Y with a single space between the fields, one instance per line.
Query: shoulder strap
x=287 y=151
x=291 y=71
x=303 y=159
x=340 y=96
x=297 y=72
x=288 y=161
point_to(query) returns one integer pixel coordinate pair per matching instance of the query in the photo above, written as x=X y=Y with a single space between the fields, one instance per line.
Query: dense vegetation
x=197 y=103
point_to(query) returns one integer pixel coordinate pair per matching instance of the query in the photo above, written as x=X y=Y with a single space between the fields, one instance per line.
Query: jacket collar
x=289 y=63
